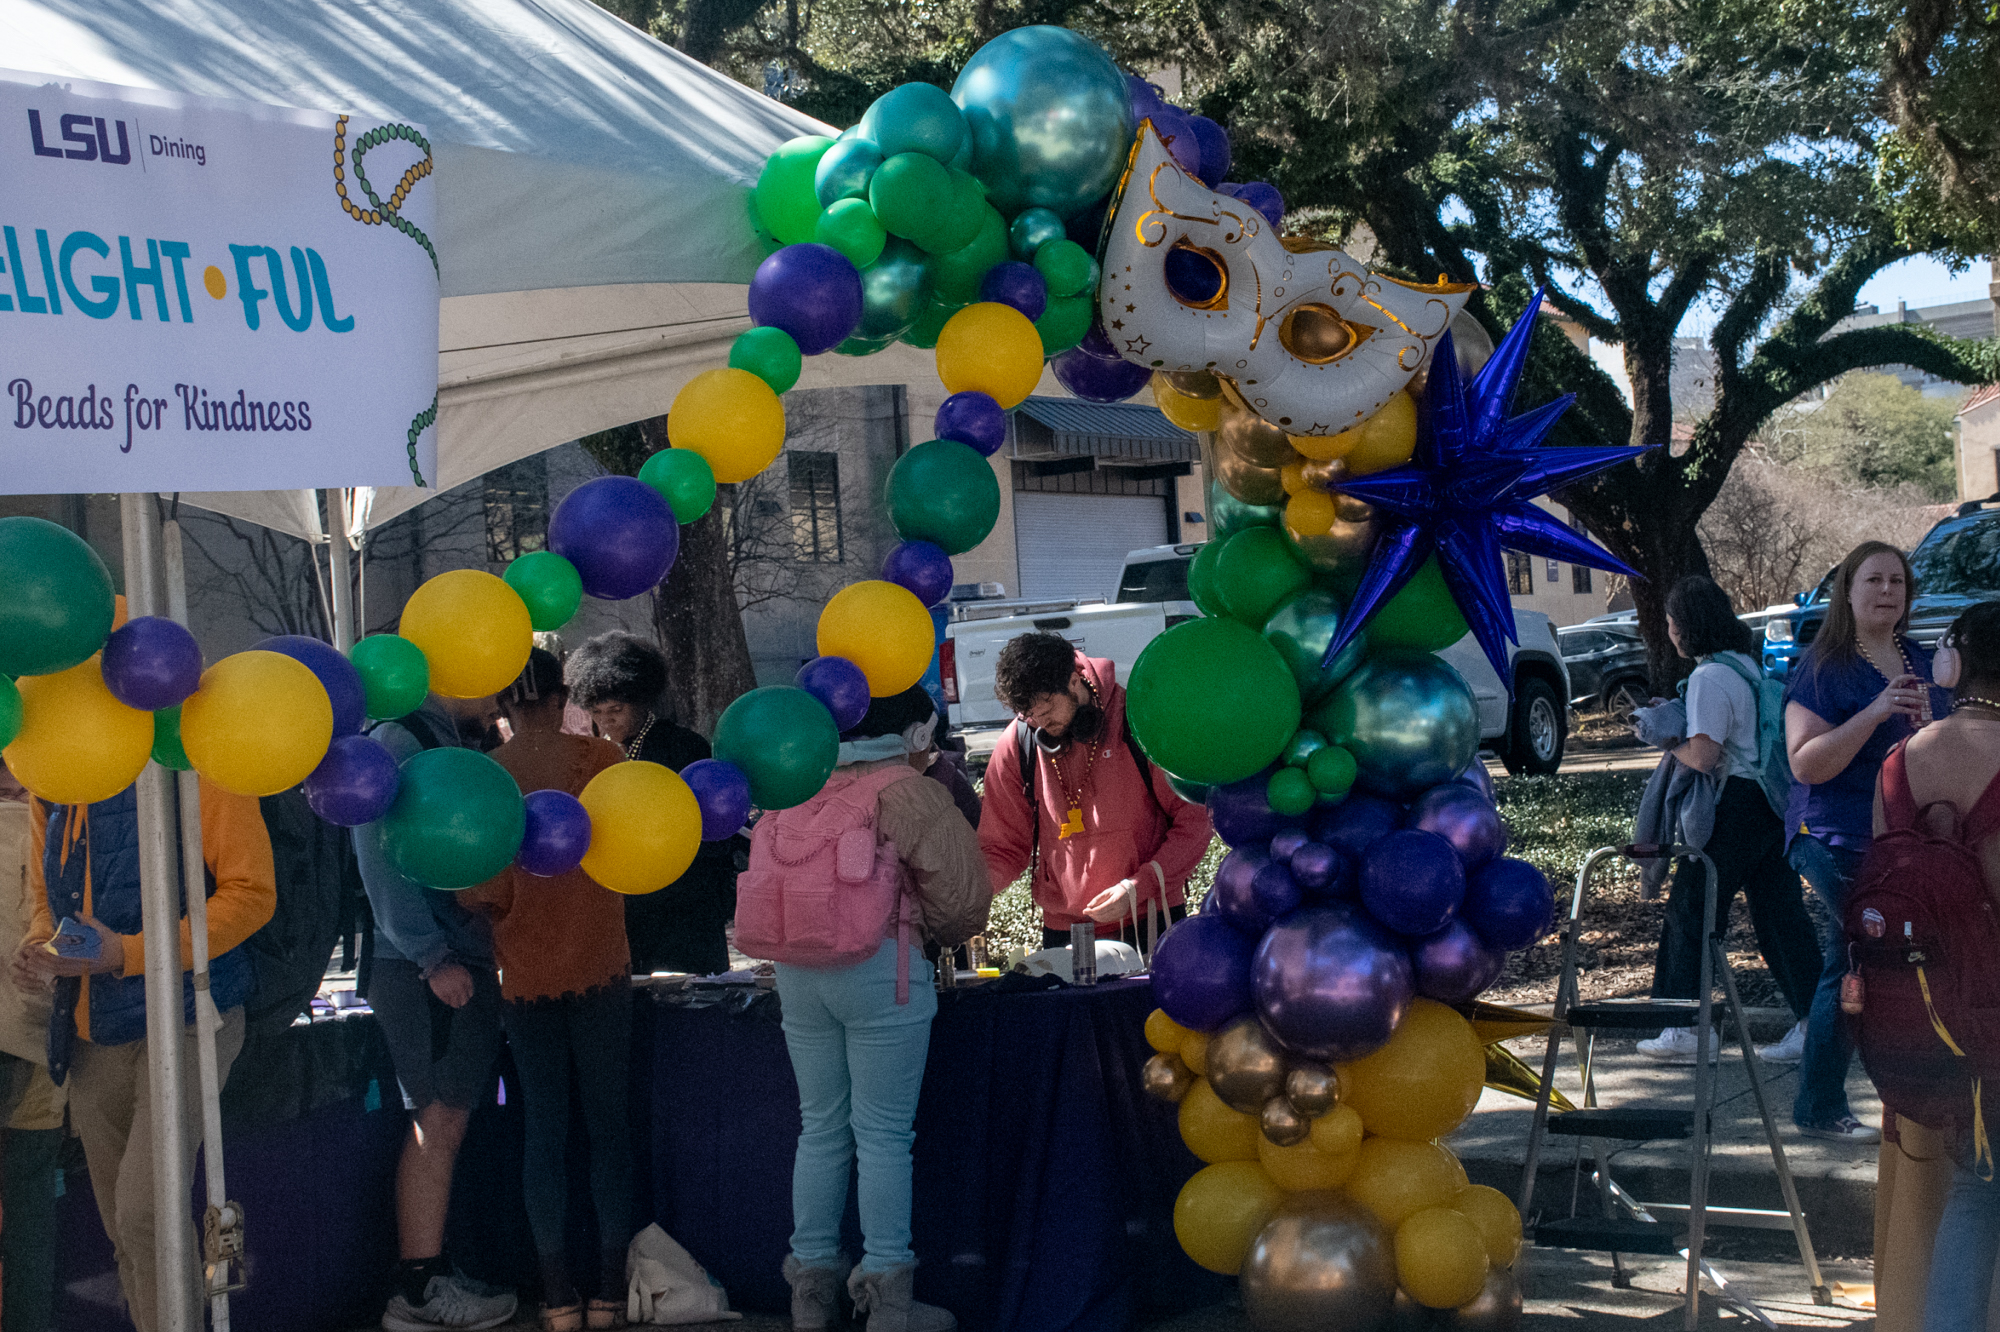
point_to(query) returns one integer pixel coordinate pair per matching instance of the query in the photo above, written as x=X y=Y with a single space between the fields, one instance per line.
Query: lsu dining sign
x=208 y=295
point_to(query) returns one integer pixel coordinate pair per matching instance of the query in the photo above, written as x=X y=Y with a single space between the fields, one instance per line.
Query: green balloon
x=56 y=601
x=849 y=226
x=1064 y=323
x=1211 y=701
x=943 y=492
x=895 y=290
x=1066 y=265
x=930 y=325
x=549 y=584
x=915 y=118
x=1031 y=229
x=1228 y=515
x=1201 y=577
x=1255 y=574
x=1288 y=792
x=912 y=196
x=958 y=274
x=787 y=203
x=1331 y=771
x=684 y=479
x=1423 y=617
x=967 y=216
x=784 y=741
x=457 y=820
x=1302 y=629
x=863 y=346
x=1303 y=745
x=768 y=353
x=394 y=675
x=167 y=750
x=1195 y=793
x=10 y=711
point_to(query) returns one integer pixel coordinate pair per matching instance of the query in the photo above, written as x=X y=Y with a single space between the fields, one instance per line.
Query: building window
x=1579 y=578
x=815 y=482
x=517 y=509
x=1555 y=571
x=1520 y=574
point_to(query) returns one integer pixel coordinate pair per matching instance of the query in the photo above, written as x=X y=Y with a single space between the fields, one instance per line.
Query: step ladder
x=1624 y=1225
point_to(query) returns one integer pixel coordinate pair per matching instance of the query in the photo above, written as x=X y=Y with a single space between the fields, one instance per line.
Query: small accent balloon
x=555 y=833
x=151 y=662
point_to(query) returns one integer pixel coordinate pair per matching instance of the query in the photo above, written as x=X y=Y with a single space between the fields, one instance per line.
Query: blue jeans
x=859 y=1059
x=1822 y=1097
x=1968 y=1240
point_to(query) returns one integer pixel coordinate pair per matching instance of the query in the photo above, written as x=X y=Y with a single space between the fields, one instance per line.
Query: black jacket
x=680 y=927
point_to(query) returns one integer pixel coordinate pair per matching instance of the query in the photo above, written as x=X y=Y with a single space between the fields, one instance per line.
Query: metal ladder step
x=1611 y=1235
x=1747 y=1218
x=1633 y=1014
x=1628 y=1123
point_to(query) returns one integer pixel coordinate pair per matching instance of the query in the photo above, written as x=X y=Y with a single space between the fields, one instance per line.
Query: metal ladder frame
x=1714 y=959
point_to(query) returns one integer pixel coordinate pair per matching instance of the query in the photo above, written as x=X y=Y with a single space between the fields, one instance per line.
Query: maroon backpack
x=1923 y=939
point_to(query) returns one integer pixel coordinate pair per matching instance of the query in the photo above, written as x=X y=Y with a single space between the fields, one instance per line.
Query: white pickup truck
x=1527 y=731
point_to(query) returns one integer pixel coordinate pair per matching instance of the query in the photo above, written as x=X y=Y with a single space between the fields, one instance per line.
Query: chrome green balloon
x=1408 y=719
x=1304 y=744
x=895 y=290
x=1033 y=229
x=1228 y=515
x=845 y=170
x=1051 y=119
x=1302 y=628
x=916 y=118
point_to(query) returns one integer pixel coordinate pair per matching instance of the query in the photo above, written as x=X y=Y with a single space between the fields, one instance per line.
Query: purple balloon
x=620 y=534
x=336 y=673
x=838 y=684
x=151 y=663
x=1412 y=882
x=1146 y=100
x=1235 y=892
x=1330 y=983
x=355 y=783
x=1171 y=124
x=1479 y=780
x=1201 y=972
x=557 y=833
x=723 y=792
x=974 y=419
x=1214 y=141
x=1097 y=343
x=1097 y=380
x=810 y=291
x=1322 y=871
x=1455 y=964
x=1510 y=903
x=1242 y=815
x=1022 y=286
x=1355 y=823
x=1274 y=890
x=922 y=567
x=1286 y=843
x=1462 y=817
x=1265 y=198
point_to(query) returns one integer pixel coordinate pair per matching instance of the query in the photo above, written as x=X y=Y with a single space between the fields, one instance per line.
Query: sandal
x=605 y=1314
x=564 y=1318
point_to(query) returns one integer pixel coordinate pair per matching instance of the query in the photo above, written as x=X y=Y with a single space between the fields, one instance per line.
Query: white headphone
x=1945 y=667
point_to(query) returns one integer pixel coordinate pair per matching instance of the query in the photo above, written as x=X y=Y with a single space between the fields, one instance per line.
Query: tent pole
x=222 y=1228
x=159 y=887
x=337 y=556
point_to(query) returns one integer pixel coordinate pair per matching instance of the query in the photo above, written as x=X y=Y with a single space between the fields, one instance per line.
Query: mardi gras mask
x=1195 y=280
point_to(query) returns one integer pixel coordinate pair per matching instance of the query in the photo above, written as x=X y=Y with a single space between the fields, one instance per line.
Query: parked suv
x=1607 y=667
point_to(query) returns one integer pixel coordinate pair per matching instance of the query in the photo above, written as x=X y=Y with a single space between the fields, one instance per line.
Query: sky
x=1925 y=281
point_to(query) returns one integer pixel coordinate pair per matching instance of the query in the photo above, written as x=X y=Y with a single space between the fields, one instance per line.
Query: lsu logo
x=90 y=134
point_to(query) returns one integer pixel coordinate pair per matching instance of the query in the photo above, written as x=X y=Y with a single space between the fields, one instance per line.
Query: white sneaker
x=1675 y=1045
x=1788 y=1050
x=448 y=1303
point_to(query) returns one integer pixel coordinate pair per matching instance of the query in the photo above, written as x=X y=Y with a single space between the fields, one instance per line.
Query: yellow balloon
x=645 y=827
x=1163 y=1033
x=732 y=419
x=1499 y=1224
x=473 y=629
x=1325 y=448
x=78 y=744
x=1212 y=1130
x=1395 y=1179
x=1191 y=414
x=1338 y=1131
x=992 y=349
x=259 y=724
x=1220 y=1211
x=1388 y=438
x=1292 y=476
x=1424 y=1082
x=1303 y=1167
x=1310 y=513
x=883 y=629
x=1194 y=1053
x=1440 y=1258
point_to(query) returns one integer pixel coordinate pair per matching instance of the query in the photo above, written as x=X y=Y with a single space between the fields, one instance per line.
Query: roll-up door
x=1075 y=545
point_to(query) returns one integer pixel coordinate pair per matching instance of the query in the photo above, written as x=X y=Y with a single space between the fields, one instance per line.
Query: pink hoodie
x=1123 y=825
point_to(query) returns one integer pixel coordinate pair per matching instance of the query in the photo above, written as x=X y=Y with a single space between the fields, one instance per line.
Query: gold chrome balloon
x=1283 y=1124
x=1198 y=383
x=1251 y=438
x=1166 y=1077
x=1247 y=482
x=1497 y=1308
x=1342 y=549
x=1245 y=1066
x=1312 y=1089
x=1320 y=1262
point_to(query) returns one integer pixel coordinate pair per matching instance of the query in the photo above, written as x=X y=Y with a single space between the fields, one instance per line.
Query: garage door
x=1074 y=545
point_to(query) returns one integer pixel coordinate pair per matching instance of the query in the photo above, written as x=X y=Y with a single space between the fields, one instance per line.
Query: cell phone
x=73 y=939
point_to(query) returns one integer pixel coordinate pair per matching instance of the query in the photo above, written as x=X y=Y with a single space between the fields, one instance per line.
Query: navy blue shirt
x=1844 y=808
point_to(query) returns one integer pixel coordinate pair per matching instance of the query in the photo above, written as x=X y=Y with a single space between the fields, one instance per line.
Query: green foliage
x=1873 y=430
x=1555 y=822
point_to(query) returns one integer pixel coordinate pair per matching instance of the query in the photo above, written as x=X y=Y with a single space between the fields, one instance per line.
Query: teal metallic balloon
x=1033 y=229
x=1408 y=719
x=930 y=325
x=1303 y=745
x=1051 y=119
x=457 y=821
x=845 y=170
x=916 y=118
x=862 y=346
x=1195 y=793
x=783 y=739
x=895 y=291
x=1302 y=628
x=1228 y=515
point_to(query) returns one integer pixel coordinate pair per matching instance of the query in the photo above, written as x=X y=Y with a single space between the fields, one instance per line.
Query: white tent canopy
x=592 y=233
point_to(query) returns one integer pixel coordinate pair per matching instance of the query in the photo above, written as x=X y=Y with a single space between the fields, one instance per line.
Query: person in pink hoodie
x=1109 y=839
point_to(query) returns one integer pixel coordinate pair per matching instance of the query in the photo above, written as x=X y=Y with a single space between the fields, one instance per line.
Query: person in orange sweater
x=565 y=977
x=83 y=865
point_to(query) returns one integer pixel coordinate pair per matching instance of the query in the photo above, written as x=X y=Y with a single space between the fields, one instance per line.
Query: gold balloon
x=1250 y=437
x=1313 y=1089
x=1284 y=1125
x=1395 y=1180
x=1195 y=384
x=1245 y=1066
x=1248 y=483
x=1213 y=1131
x=1424 y=1082
x=1319 y=1262
x=1163 y=1033
x=1194 y=1052
x=1497 y=1219
x=1338 y=1132
x=1497 y=1308
x=1166 y=1077
x=1303 y=1167
x=1342 y=548
x=1440 y=1258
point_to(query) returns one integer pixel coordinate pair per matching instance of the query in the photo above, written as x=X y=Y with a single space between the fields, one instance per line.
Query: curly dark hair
x=1707 y=621
x=1031 y=666
x=616 y=668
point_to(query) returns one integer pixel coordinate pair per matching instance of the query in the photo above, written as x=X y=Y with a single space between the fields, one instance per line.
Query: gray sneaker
x=449 y=1302
x=1847 y=1129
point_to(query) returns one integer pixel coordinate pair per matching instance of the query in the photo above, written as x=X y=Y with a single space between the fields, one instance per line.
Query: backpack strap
x=1899 y=807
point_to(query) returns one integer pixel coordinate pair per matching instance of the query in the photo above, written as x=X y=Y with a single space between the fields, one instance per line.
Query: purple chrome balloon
x=974 y=419
x=1355 y=823
x=1479 y=780
x=1097 y=380
x=1274 y=890
x=1264 y=197
x=1201 y=972
x=1242 y=815
x=1455 y=964
x=1145 y=98
x=1462 y=817
x=1322 y=871
x=1235 y=892
x=619 y=532
x=151 y=663
x=1172 y=125
x=1510 y=903
x=723 y=792
x=354 y=784
x=1330 y=983
x=1214 y=141
x=1285 y=843
x=812 y=292
x=557 y=833
x=336 y=674
x=840 y=687
x=1097 y=343
x=1411 y=881
x=1013 y=283
x=922 y=567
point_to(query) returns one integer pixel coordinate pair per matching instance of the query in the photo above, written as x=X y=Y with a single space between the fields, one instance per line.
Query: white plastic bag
x=664 y=1284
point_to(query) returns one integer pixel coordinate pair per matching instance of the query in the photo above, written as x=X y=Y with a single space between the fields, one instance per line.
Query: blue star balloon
x=1468 y=491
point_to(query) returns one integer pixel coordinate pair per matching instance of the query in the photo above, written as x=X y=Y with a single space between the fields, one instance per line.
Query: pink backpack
x=823 y=884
